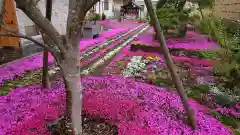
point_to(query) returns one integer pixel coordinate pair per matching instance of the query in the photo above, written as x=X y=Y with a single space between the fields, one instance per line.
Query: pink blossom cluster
x=106 y=50
x=113 y=65
x=229 y=112
x=100 y=53
x=87 y=44
x=117 y=24
x=137 y=108
x=26 y=111
x=196 y=42
x=18 y=68
x=143 y=109
x=194 y=61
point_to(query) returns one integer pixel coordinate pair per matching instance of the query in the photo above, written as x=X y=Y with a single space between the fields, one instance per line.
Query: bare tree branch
x=29 y=38
x=75 y=22
x=33 y=12
x=170 y=64
x=90 y=4
x=77 y=12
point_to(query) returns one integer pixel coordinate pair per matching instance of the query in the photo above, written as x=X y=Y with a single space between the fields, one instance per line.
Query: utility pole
x=170 y=64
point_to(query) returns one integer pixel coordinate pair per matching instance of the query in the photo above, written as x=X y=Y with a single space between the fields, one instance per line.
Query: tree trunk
x=45 y=77
x=73 y=92
x=67 y=57
x=72 y=72
x=170 y=64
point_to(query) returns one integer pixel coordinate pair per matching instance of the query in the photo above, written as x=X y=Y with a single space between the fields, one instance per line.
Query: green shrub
x=172 y=19
x=160 y=83
x=97 y=17
x=103 y=16
x=237 y=133
x=204 y=88
x=227 y=69
x=214 y=27
x=196 y=95
x=207 y=55
x=225 y=101
x=230 y=121
x=142 y=20
x=215 y=114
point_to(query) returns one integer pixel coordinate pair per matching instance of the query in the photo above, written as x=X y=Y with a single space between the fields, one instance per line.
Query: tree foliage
x=173 y=16
x=206 y=4
x=172 y=19
x=177 y=4
x=227 y=68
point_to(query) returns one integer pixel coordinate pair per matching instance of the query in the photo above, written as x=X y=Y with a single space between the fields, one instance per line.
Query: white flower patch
x=215 y=90
x=53 y=71
x=107 y=43
x=112 y=53
x=134 y=67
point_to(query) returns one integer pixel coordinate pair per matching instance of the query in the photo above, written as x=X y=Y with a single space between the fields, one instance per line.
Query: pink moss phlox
x=237 y=106
x=115 y=24
x=195 y=61
x=26 y=111
x=139 y=108
x=114 y=63
x=228 y=112
x=19 y=67
x=100 y=53
x=196 y=42
x=154 y=109
x=89 y=43
x=199 y=107
x=132 y=129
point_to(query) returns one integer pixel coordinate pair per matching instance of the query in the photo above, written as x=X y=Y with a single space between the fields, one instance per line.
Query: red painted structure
x=130 y=10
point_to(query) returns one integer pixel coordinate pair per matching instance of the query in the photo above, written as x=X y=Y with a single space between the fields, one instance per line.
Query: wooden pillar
x=45 y=77
x=170 y=64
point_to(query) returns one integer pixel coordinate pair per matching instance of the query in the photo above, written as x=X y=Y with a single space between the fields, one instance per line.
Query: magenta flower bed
x=89 y=43
x=18 y=68
x=113 y=65
x=105 y=50
x=142 y=109
x=229 y=112
x=139 y=108
x=116 y=24
x=196 y=42
x=100 y=54
x=26 y=111
x=117 y=30
x=175 y=58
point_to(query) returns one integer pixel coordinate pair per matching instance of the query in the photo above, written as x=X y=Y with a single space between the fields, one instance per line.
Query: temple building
x=131 y=10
